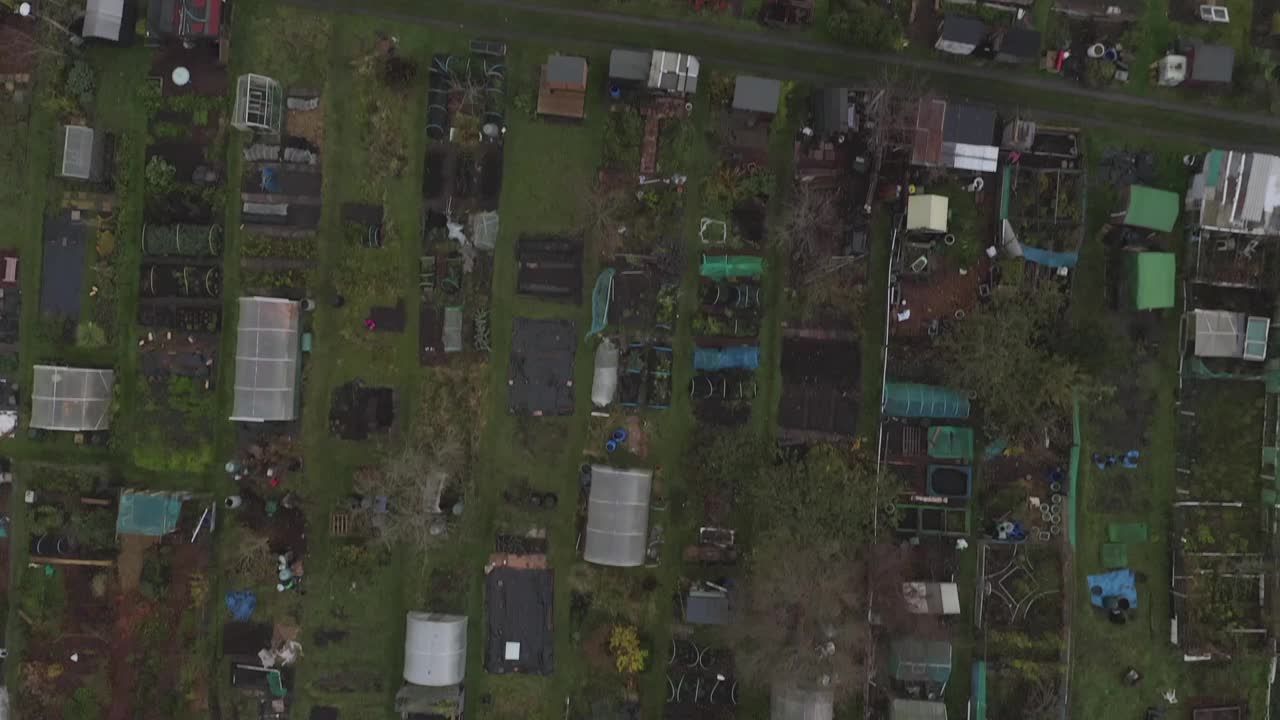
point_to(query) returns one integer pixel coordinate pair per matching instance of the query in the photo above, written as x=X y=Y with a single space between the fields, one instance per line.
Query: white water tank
x=1171 y=70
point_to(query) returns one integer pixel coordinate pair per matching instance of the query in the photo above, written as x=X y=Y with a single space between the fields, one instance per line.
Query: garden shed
x=104 y=19
x=1017 y=44
x=435 y=649
x=833 y=113
x=931 y=598
x=187 y=19
x=630 y=66
x=1153 y=276
x=917 y=710
x=267 y=344
x=912 y=400
x=1149 y=208
x=673 y=72
x=82 y=153
x=148 y=513
x=757 y=94
x=960 y=34
x=788 y=701
x=617 y=516
x=71 y=399
x=1224 y=334
x=562 y=89
x=1210 y=64
x=706 y=606
x=259 y=105
x=927 y=213
x=1233 y=192
x=916 y=662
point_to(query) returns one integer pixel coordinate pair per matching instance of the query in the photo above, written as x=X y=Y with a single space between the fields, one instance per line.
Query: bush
x=90 y=335
x=624 y=643
x=873 y=28
x=160 y=177
x=81 y=83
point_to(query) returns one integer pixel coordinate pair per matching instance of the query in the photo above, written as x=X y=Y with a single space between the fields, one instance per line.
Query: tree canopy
x=1005 y=353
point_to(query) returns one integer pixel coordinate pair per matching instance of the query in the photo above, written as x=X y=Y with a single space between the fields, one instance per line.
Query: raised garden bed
x=181 y=281
x=194 y=241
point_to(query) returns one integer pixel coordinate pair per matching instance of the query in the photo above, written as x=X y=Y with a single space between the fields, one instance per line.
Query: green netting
x=1127 y=532
x=1115 y=555
x=978 y=699
x=946 y=441
x=152 y=514
x=912 y=400
x=600 y=301
x=1073 y=470
x=719 y=267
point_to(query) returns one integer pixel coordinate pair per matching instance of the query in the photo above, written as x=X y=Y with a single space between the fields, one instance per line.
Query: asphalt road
x=1048 y=97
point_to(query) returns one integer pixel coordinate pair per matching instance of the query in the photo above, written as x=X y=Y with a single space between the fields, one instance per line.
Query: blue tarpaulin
x=241 y=604
x=746 y=358
x=1117 y=583
x=1050 y=258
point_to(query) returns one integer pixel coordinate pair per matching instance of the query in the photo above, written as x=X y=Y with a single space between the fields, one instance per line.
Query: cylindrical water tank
x=435 y=649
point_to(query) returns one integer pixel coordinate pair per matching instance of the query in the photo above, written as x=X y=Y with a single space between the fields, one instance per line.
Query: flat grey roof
x=757 y=94
x=629 y=64
x=566 y=70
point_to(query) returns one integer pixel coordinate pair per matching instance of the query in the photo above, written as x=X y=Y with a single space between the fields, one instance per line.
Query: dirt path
x=133 y=548
x=1003 y=83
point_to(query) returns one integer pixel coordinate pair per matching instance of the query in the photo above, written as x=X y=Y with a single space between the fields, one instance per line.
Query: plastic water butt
x=1110 y=55
x=611 y=446
x=615 y=92
x=620 y=435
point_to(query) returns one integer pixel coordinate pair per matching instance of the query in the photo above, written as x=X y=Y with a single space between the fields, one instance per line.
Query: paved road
x=1240 y=129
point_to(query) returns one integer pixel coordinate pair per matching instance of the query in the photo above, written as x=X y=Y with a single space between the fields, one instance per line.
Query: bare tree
x=813 y=227
x=413 y=482
x=802 y=617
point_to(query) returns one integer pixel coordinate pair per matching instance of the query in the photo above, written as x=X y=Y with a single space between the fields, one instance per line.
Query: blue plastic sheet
x=241 y=604
x=745 y=358
x=1117 y=583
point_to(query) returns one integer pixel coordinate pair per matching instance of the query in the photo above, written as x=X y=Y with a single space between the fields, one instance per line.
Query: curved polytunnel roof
x=435 y=649
x=618 y=516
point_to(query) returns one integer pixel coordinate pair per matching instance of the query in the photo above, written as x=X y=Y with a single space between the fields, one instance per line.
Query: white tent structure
x=435 y=649
x=604 y=384
x=103 y=19
x=618 y=516
x=266 y=386
x=71 y=399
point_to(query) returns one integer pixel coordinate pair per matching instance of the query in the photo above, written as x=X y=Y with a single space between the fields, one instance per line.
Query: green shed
x=1151 y=209
x=148 y=513
x=1154 y=275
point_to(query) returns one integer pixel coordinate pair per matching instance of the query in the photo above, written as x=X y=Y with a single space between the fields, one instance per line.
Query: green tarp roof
x=1151 y=208
x=1127 y=532
x=946 y=441
x=912 y=400
x=152 y=514
x=719 y=267
x=1154 y=277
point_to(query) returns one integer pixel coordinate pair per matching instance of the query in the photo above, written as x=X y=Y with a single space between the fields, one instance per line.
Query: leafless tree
x=802 y=617
x=413 y=482
x=813 y=227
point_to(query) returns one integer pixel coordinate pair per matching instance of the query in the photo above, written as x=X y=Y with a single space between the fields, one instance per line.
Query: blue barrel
x=611 y=446
x=620 y=435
